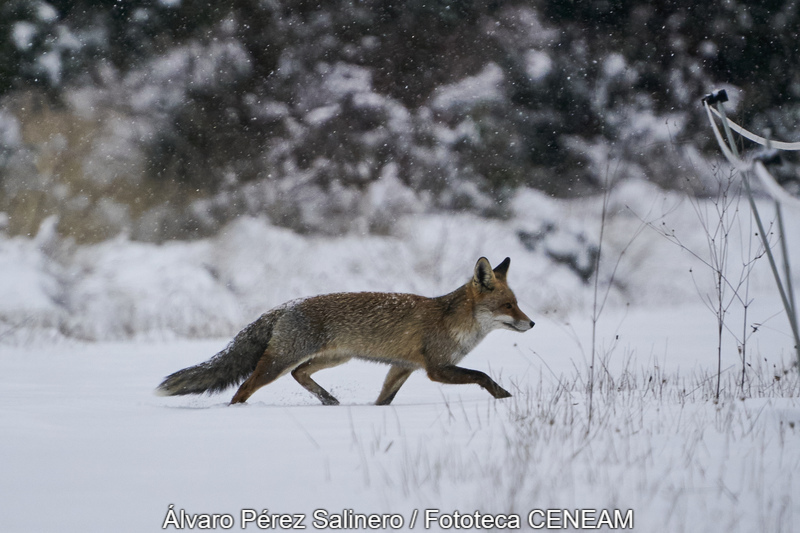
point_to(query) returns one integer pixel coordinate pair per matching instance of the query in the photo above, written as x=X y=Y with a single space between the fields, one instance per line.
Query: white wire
x=756 y=139
x=732 y=159
x=771 y=186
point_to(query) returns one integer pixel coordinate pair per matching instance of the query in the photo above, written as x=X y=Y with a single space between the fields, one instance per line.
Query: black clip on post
x=715 y=97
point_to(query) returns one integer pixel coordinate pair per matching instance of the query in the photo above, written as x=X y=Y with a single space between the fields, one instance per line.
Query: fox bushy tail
x=229 y=367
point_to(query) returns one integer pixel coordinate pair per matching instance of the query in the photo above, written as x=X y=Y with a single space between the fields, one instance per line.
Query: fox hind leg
x=302 y=374
x=394 y=380
x=268 y=369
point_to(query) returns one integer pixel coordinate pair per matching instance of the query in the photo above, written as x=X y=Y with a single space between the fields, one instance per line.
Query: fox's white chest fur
x=468 y=339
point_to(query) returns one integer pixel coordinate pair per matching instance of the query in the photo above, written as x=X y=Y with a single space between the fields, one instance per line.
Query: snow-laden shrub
x=30 y=286
x=188 y=114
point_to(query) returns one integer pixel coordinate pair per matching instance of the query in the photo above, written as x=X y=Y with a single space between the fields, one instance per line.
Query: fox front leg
x=456 y=375
x=394 y=380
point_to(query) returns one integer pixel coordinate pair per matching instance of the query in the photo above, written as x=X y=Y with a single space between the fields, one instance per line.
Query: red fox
x=405 y=331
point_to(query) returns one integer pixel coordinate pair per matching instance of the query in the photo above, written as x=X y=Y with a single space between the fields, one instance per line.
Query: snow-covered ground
x=88 y=333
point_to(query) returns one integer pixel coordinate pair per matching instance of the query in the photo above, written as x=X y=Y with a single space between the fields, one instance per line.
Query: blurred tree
x=463 y=100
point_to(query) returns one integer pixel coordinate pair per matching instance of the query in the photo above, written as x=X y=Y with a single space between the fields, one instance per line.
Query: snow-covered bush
x=181 y=116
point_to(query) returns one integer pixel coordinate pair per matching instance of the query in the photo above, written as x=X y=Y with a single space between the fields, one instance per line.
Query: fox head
x=495 y=304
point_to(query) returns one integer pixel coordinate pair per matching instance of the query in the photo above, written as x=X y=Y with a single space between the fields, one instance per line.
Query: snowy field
x=88 y=332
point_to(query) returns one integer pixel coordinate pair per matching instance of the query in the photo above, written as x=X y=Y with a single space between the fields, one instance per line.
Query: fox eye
x=509 y=306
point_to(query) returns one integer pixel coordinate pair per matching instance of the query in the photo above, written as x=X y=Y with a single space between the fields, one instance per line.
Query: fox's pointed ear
x=484 y=276
x=501 y=270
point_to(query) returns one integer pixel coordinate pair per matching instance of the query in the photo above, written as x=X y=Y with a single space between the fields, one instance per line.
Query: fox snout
x=519 y=320
x=520 y=325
